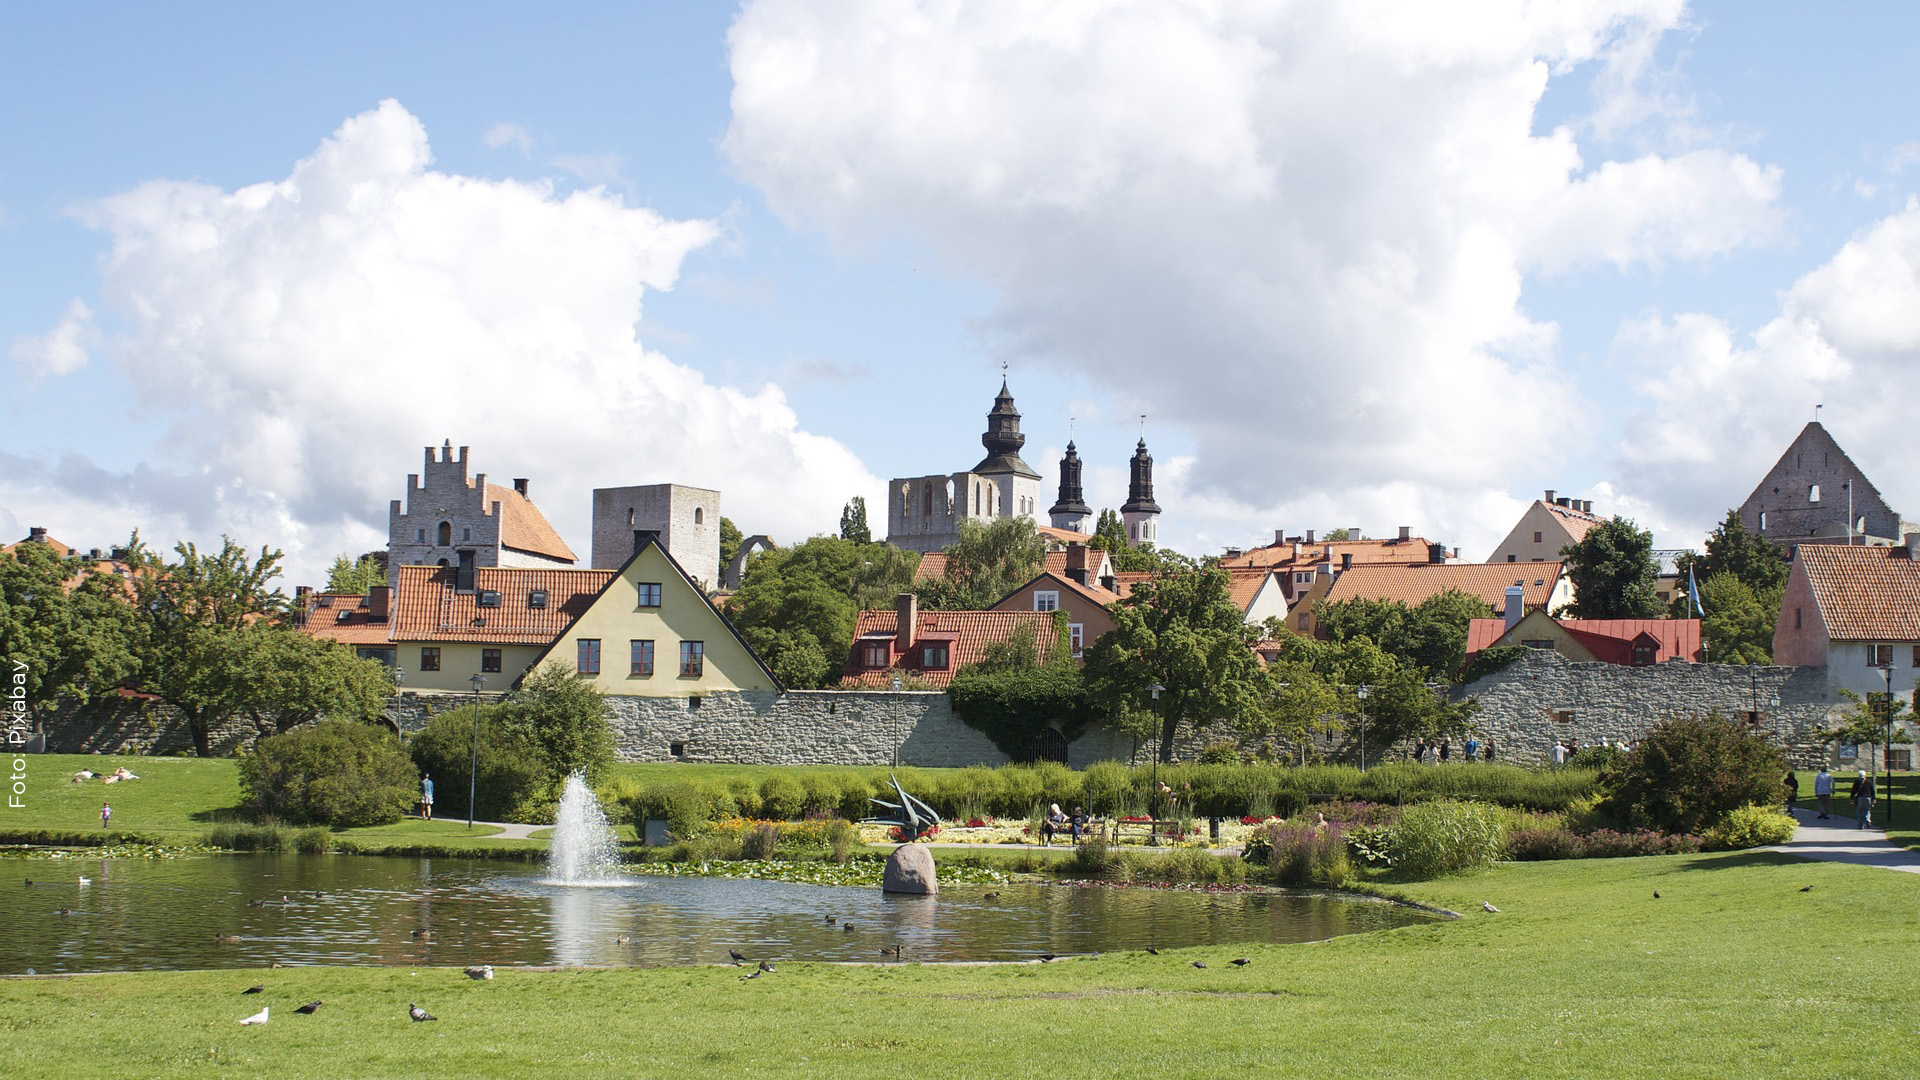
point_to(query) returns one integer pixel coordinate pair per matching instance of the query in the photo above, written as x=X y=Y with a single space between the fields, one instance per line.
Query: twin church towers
x=924 y=513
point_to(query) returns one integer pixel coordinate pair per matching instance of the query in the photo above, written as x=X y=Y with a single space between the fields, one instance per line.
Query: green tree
x=1738 y=626
x=356 y=577
x=70 y=625
x=211 y=644
x=1749 y=558
x=1109 y=533
x=990 y=561
x=730 y=537
x=853 y=521
x=1613 y=572
x=1011 y=695
x=1430 y=636
x=1868 y=722
x=565 y=718
x=336 y=773
x=1689 y=772
x=1184 y=632
x=1334 y=536
x=512 y=771
x=797 y=606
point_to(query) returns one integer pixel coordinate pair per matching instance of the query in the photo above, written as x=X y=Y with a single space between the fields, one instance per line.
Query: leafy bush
x=842 y=840
x=317 y=840
x=510 y=772
x=564 y=718
x=1596 y=757
x=1614 y=844
x=1299 y=855
x=1690 y=772
x=1540 y=843
x=336 y=772
x=1223 y=752
x=782 y=798
x=1106 y=787
x=684 y=808
x=1751 y=826
x=1445 y=837
x=760 y=841
x=1092 y=858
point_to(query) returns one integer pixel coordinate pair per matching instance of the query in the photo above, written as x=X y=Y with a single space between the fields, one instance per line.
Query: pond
x=142 y=914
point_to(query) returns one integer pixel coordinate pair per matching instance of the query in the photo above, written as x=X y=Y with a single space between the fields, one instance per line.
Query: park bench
x=1150 y=831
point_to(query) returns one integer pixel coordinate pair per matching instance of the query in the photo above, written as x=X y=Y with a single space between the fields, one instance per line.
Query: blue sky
x=1355 y=270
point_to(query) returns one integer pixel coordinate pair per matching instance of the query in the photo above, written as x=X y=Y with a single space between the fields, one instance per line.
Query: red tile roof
x=1281 y=557
x=1864 y=593
x=1609 y=640
x=1061 y=536
x=933 y=567
x=967 y=634
x=426 y=607
x=1245 y=584
x=344 y=617
x=524 y=528
x=1412 y=584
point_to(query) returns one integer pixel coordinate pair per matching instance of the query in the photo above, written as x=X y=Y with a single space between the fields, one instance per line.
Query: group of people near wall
x=1433 y=753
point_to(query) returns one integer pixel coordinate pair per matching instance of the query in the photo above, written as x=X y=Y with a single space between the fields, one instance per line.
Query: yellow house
x=652 y=632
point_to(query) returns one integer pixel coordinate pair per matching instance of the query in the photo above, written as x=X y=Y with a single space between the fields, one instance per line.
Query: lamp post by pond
x=1360 y=694
x=1155 y=690
x=473 y=769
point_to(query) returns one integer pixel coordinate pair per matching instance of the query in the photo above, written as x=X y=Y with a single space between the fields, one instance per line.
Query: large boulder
x=910 y=871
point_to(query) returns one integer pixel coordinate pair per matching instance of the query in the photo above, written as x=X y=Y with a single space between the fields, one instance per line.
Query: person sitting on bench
x=1078 y=822
x=1051 y=826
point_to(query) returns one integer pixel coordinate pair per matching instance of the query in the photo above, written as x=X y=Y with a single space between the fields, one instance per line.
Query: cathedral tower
x=1019 y=485
x=1071 y=512
x=1141 y=513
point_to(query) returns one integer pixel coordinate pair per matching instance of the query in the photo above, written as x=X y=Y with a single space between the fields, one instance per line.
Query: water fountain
x=584 y=850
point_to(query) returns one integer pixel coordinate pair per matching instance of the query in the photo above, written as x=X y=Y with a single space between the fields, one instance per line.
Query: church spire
x=1003 y=440
x=1072 y=511
x=1140 y=512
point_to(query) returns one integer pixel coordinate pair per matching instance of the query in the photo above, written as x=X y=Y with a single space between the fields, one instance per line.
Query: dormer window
x=489 y=598
x=933 y=656
x=345 y=615
x=1644 y=653
x=874 y=654
x=537 y=599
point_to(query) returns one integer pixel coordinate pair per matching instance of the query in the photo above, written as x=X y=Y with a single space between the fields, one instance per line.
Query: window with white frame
x=1046 y=599
x=1076 y=636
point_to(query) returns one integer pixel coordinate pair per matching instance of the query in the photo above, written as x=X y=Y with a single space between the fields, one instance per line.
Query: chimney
x=1346 y=561
x=1436 y=554
x=907 y=606
x=1516 y=604
x=94 y=554
x=379 y=603
x=1912 y=544
x=1077 y=563
x=1406 y=532
x=520 y=485
x=1296 y=549
x=1279 y=537
x=1110 y=583
x=1309 y=536
x=37 y=534
x=300 y=595
x=1586 y=506
x=1549 y=498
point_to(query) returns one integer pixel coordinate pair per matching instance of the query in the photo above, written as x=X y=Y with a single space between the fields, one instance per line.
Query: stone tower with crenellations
x=454 y=520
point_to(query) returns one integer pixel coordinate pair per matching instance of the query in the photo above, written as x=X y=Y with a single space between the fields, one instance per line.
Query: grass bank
x=1732 y=972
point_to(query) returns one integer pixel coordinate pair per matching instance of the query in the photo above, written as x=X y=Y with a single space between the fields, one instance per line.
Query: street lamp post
x=1886 y=747
x=1155 y=690
x=1360 y=694
x=473 y=769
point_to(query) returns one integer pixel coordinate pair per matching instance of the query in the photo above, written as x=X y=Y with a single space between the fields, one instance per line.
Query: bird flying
x=419 y=1014
x=257 y=1018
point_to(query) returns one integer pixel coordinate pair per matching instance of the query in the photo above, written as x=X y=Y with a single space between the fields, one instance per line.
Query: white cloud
x=305 y=337
x=504 y=134
x=1301 y=232
x=62 y=350
x=1723 y=405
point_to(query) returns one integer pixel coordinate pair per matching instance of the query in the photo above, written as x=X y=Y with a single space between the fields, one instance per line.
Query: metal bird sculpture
x=911 y=816
x=419 y=1014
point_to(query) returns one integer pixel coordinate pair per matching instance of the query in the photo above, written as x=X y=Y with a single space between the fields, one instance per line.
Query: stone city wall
x=814 y=727
x=1543 y=697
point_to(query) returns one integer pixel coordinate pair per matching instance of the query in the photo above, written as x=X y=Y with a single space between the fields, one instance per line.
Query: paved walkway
x=509 y=832
x=1838 y=839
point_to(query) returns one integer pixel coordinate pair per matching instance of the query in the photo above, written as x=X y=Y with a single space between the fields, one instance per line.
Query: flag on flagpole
x=1693 y=594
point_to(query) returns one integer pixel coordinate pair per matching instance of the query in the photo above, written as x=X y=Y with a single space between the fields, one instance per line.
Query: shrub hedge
x=337 y=773
x=1108 y=789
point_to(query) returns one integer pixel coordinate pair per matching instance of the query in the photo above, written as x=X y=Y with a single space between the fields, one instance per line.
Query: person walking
x=1488 y=751
x=1420 y=748
x=426 y=798
x=1446 y=749
x=106 y=814
x=1473 y=748
x=1862 y=796
x=1823 y=791
x=1792 y=784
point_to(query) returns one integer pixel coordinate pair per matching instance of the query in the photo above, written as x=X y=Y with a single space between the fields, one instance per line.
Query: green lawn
x=1906 y=803
x=1732 y=972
